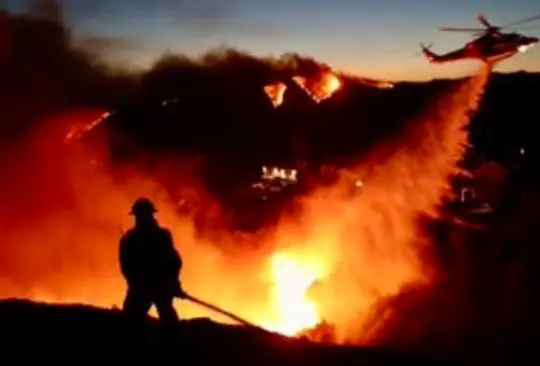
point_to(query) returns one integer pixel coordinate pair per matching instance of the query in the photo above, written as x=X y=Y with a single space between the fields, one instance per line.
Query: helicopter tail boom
x=434 y=58
x=431 y=56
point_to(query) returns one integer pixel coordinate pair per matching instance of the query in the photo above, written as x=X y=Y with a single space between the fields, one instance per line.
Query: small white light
x=524 y=48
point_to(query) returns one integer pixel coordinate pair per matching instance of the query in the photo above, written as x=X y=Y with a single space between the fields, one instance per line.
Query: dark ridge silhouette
x=90 y=334
x=506 y=120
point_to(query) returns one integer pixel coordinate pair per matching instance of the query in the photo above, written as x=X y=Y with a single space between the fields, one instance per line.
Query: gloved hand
x=179 y=292
x=182 y=294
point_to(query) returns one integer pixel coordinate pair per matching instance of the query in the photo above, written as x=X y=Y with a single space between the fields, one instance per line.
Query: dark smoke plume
x=43 y=75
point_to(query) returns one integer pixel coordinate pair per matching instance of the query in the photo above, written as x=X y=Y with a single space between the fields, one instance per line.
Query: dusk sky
x=375 y=38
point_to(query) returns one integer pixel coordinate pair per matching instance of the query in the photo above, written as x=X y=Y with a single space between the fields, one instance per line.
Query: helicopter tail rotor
x=428 y=54
x=423 y=49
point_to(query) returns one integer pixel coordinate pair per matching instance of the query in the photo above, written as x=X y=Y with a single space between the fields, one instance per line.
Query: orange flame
x=291 y=281
x=383 y=84
x=321 y=89
x=275 y=92
x=318 y=90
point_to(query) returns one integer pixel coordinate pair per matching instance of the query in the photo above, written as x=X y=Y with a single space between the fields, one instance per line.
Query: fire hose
x=219 y=310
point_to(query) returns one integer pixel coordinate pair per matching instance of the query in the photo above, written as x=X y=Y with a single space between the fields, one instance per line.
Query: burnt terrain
x=78 y=334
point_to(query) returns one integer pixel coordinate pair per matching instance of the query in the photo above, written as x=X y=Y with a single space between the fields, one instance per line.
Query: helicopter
x=490 y=45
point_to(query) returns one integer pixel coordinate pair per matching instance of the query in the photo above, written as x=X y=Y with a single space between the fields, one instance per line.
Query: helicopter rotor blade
x=482 y=19
x=522 y=21
x=490 y=28
x=469 y=30
x=526 y=28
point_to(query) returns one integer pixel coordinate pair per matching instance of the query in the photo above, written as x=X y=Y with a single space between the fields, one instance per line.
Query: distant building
x=487 y=182
x=478 y=190
x=273 y=180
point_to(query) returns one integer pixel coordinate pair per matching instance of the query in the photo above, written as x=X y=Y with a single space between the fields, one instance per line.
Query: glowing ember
x=323 y=89
x=78 y=131
x=382 y=84
x=292 y=280
x=275 y=92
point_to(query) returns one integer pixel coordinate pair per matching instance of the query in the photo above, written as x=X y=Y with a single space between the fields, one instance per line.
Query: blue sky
x=374 y=38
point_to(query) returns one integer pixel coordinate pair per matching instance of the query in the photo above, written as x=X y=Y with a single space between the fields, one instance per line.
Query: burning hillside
x=360 y=250
x=335 y=260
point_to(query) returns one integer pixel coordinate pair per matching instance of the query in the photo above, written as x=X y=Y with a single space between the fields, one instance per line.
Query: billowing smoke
x=41 y=74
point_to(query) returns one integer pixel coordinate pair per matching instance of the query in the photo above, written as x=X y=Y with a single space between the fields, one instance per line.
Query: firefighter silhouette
x=151 y=266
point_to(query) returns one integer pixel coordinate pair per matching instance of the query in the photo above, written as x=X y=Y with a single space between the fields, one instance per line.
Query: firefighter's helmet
x=143 y=206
